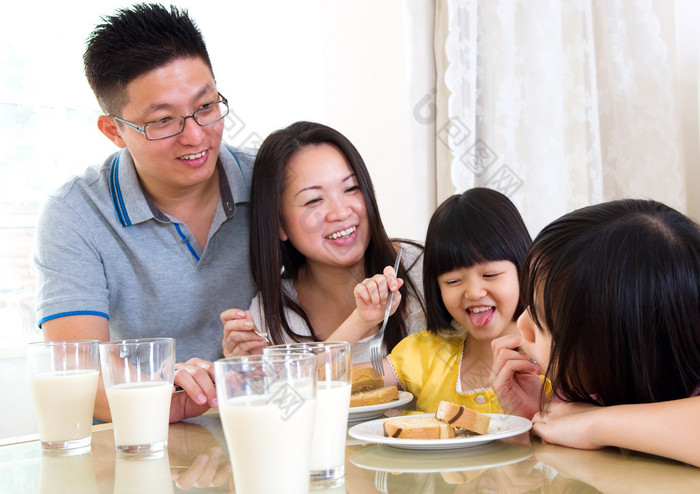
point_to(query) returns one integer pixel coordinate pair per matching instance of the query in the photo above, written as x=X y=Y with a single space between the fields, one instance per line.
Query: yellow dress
x=427 y=365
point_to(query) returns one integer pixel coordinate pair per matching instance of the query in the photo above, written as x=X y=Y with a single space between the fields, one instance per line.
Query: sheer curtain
x=559 y=104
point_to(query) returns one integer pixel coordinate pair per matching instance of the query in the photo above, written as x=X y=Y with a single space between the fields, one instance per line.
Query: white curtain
x=558 y=104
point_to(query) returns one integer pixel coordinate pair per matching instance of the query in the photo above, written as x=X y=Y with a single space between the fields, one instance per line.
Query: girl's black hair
x=617 y=285
x=477 y=226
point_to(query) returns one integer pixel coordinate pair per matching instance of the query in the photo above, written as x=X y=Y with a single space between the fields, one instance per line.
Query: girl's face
x=323 y=210
x=536 y=342
x=482 y=298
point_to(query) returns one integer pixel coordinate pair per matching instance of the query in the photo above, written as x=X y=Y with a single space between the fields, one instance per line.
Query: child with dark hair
x=474 y=248
x=613 y=315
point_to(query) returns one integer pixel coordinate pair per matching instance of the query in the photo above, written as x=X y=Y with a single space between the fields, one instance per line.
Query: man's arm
x=195 y=376
x=82 y=327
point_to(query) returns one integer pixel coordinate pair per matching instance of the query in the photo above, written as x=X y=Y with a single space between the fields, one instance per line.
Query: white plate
x=387 y=459
x=357 y=414
x=501 y=426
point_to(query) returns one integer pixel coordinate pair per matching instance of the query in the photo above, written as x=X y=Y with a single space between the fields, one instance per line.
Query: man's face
x=180 y=163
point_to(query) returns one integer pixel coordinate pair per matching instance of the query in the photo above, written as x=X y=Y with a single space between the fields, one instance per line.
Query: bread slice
x=364 y=379
x=465 y=418
x=418 y=427
x=374 y=396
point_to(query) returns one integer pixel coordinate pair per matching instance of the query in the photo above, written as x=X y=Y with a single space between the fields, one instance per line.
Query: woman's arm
x=670 y=429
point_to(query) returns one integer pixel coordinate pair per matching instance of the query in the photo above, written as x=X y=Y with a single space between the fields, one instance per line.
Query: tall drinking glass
x=63 y=376
x=267 y=405
x=138 y=376
x=333 y=386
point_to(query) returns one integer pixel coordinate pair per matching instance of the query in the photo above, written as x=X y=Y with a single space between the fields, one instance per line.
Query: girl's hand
x=568 y=424
x=516 y=381
x=240 y=336
x=372 y=294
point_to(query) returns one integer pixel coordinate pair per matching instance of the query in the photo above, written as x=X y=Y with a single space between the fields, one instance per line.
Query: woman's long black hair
x=272 y=259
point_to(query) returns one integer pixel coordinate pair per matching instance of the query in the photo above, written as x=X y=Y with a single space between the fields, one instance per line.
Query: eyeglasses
x=172 y=126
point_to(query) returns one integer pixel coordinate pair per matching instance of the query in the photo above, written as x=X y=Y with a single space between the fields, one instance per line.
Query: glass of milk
x=138 y=377
x=333 y=386
x=267 y=405
x=63 y=377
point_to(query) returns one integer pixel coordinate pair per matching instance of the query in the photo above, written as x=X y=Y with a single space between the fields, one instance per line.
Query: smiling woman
x=316 y=232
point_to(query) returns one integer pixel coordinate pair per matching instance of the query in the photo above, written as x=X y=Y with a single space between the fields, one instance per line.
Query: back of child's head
x=617 y=285
x=134 y=41
x=478 y=226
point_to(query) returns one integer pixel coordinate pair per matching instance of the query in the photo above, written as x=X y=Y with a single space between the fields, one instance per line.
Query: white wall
x=360 y=66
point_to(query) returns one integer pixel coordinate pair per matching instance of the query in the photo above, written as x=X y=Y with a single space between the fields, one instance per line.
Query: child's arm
x=389 y=376
x=669 y=428
x=370 y=297
x=516 y=381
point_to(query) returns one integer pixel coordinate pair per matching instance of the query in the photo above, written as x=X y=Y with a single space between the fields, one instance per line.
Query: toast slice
x=374 y=396
x=364 y=379
x=462 y=417
x=419 y=427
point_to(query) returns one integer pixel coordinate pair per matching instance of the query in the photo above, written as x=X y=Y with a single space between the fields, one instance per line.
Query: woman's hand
x=240 y=334
x=372 y=294
x=515 y=378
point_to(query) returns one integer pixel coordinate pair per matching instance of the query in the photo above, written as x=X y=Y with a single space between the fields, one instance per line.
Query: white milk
x=140 y=412
x=268 y=445
x=64 y=404
x=330 y=425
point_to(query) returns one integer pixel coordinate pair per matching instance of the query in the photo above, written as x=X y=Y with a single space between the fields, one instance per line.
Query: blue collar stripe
x=187 y=242
x=116 y=192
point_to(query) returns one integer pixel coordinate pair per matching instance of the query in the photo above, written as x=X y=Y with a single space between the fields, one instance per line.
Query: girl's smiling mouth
x=481 y=315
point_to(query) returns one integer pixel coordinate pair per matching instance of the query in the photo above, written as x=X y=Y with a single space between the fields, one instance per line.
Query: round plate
x=357 y=414
x=387 y=459
x=501 y=426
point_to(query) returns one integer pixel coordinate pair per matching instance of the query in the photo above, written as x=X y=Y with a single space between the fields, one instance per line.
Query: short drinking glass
x=63 y=376
x=138 y=376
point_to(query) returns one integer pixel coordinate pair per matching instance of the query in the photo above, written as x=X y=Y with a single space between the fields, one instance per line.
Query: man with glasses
x=155 y=241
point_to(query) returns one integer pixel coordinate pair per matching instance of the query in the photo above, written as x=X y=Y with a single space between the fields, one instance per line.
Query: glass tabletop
x=197 y=461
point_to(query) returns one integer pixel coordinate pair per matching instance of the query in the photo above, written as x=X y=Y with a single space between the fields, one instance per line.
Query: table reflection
x=67 y=474
x=197 y=461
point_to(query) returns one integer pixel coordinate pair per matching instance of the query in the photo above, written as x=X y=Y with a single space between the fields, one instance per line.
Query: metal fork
x=375 y=344
x=380 y=482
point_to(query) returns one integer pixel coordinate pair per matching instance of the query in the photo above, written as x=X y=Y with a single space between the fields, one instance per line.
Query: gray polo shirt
x=104 y=249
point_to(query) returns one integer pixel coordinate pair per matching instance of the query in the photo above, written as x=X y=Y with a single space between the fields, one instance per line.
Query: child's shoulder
x=429 y=339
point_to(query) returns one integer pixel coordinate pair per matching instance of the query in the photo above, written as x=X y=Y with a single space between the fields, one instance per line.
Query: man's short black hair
x=134 y=41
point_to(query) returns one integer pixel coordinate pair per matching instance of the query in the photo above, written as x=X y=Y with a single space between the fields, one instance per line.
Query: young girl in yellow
x=474 y=248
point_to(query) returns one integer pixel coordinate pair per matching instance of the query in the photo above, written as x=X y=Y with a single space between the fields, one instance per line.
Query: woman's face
x=482 y=298
x=323 y=210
